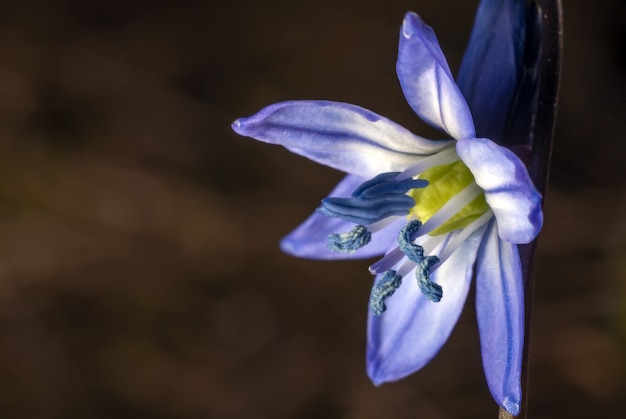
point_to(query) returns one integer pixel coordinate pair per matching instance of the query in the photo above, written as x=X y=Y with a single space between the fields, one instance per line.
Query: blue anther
x=366 y=211
x=374 y=200
x=431 y=290
x=351 y=241
x=413 y=251
x=385 y=184
x=382 y=289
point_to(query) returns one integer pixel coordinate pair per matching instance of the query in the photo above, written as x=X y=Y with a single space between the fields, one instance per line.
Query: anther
x=431 y=290
x=386 y=184
x=366 y=211
x=413 y=251
x=382 y=289
x=351 y=241
x=374 y=200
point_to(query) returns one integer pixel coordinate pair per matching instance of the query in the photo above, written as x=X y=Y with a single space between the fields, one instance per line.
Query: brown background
x=139 y=270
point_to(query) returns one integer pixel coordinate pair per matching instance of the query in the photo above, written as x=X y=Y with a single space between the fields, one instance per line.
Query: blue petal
x=492 y=64
x=509 y=191
x=427 y=82
x=309 y=240
x=340 y=135
x=413 y=329
x=500 y=311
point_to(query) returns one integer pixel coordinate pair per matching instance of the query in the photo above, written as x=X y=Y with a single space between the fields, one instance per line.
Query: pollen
x=383 y=289
x=351 y=241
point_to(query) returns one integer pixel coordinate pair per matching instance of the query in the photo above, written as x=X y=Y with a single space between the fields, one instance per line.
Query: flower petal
x=309 y=240
x=427 y=82
x=340 y=135
x=413 y=329
x=500 y=311
x=492 y=64
x=509 y=191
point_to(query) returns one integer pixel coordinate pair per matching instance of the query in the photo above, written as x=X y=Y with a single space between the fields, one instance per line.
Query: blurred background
x=140 y=275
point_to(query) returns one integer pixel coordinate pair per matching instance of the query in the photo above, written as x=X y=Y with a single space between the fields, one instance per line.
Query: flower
x=435 y=209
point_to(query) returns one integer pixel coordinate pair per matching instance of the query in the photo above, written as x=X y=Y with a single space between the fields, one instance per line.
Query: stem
x=539 y=167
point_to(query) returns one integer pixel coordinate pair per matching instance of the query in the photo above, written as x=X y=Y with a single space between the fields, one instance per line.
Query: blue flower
x=435 y=210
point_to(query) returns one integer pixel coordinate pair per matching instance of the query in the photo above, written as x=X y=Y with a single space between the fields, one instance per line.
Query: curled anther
x=432 y=291
x=383 y=289
x=350 y=241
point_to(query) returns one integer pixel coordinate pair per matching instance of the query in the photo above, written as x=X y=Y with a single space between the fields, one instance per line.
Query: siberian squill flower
x=434 y=210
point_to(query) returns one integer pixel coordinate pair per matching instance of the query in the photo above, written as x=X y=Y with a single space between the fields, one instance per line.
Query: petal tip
x=288 y=246
x=236 y=125
x=241 y=126
x=377 y=383
x=410 y=24
x=375 y=375
x=511 y=406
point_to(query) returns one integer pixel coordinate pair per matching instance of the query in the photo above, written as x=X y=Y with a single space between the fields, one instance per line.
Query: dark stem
x=503 y=414
x=551 y=22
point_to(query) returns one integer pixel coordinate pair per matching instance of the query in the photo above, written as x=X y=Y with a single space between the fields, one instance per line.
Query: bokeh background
x=140 y=275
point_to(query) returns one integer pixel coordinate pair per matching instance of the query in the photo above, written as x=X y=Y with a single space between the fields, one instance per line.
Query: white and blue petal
x=492 y=64
x=509 y=191
x=343 y=136
x=412 y=329
x=500 y=312
x=427 y=82
x=310 y=239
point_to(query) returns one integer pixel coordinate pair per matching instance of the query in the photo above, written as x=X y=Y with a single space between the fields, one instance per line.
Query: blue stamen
x=413 y=251
x=382 y=289
x=374 y=200
x=387 y=262
x=385 y=185
x=351 y=241
x=431 y=290
x=366 y=211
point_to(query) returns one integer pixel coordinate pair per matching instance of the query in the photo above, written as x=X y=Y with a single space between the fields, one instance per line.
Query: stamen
x=374 y=200
x=444 y=157
x=395 y=256
x=450 y=208
x=406 y=268
x=382 y=289
x=462 y=235
x=387 y=262
x=413 y=251
x=386 y=184
x=366 y=211
x=431 y=290
x=351 y=241
x=429 y=245
x=431 y=242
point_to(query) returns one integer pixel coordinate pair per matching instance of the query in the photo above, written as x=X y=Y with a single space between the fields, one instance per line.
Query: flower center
x=445 y=182
x=443 y=204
